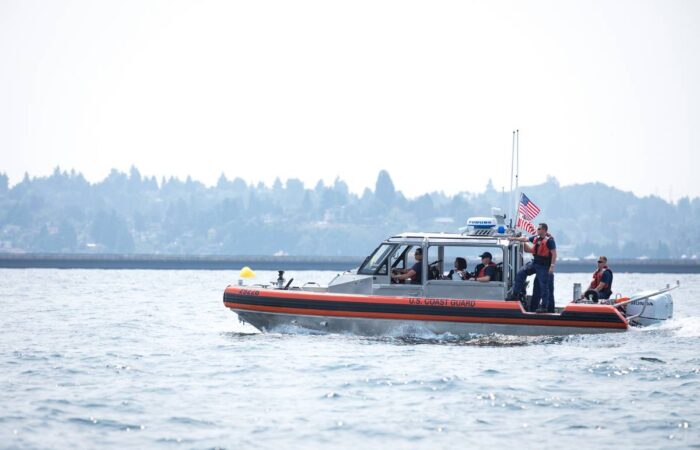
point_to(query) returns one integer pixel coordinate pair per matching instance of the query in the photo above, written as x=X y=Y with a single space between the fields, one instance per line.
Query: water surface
x=152 y=359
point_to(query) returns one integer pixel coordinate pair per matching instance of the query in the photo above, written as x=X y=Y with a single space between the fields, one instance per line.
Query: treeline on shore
x=262 y=262
x=132 y=214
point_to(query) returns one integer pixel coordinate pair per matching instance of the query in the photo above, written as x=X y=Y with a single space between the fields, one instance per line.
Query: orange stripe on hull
x=573 y=307
x=374 y=315
x=359 y=298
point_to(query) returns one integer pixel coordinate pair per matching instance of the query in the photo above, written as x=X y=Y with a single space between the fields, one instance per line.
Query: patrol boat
x=368 y=301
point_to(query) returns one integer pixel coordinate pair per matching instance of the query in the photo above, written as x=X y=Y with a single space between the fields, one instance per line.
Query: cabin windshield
x=377 y=262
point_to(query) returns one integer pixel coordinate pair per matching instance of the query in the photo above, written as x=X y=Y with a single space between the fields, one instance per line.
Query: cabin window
x=377 y=263
x=445 y=260
x=399 y=257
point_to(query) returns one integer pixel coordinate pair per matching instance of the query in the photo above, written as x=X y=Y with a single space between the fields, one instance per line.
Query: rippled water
x=152 y=359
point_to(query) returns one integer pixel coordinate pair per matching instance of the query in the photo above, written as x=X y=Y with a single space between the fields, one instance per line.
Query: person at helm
x=414 y=273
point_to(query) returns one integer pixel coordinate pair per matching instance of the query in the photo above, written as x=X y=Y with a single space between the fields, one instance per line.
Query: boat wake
x=418 y=335
x=686 y=327
x=294 y=329
x=487 y=340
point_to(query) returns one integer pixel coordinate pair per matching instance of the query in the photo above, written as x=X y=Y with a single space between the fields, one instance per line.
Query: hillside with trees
x=130 y=213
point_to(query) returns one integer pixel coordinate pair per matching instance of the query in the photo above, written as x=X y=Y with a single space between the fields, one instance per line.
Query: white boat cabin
x=440 y=251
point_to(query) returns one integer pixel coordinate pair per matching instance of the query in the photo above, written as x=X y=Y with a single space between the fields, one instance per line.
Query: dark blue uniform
x=544 y=281
x=418 y=277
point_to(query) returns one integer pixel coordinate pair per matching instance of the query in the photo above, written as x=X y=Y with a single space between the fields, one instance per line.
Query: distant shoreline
x=260 y=262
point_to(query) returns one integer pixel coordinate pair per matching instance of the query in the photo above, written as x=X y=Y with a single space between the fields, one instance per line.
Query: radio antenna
x=517 y=168
x=510 y=199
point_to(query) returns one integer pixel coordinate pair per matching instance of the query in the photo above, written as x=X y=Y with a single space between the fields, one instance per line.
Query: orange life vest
x=483 y=269
x=597 y=276
x=540 y=246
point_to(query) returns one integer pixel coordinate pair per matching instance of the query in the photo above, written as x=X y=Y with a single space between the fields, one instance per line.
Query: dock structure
x=263 y=262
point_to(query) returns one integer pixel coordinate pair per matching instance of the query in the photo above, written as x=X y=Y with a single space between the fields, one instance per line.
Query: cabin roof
x=449 y=238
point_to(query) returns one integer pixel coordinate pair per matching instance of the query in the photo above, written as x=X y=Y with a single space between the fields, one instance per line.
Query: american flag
x=525 y=224
x=526 y=208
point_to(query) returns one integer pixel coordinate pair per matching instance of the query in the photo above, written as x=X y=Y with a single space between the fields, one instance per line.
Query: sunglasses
x=601 y=262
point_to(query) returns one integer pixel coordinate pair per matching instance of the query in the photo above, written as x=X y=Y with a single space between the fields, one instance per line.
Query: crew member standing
x=544 y=251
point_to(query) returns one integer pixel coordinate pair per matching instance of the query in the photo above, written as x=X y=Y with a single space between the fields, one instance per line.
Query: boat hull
x=280 y=310
x=276 y=322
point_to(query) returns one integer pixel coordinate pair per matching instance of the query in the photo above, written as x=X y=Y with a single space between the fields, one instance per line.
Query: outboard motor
x=651 y=310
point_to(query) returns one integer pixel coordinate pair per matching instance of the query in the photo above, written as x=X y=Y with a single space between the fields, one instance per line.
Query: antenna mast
x=510 y=200
x=517 y=166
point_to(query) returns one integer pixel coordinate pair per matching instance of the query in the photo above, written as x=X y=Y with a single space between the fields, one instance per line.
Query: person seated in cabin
x=414 y=273
x=460 y=270
x=486 y=271
x=601 y=285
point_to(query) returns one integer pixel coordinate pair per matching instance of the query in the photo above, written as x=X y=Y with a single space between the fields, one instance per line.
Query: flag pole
x=517 y=165
x=511 y=204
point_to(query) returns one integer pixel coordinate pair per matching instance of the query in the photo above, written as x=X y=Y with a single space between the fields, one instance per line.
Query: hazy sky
x=430 y=91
